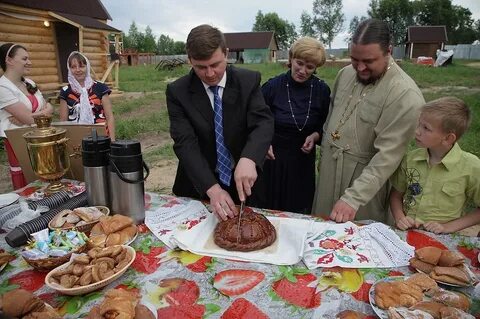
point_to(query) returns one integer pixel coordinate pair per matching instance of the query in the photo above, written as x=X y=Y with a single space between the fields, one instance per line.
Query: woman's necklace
x=348 y=111
x=308 y=110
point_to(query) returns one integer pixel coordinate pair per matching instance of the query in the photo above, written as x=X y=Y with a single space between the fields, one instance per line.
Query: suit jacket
x=247 y=125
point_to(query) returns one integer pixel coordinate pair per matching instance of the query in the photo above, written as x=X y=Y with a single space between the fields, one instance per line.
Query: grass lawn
x=458 y=79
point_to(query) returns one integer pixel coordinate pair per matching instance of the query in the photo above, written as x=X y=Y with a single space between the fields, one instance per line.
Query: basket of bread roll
x=50 y=249
x=20 y=303
x=121 y=303
x=90 y=271
x=443 y=265
x=112 y=230
x=81 y=218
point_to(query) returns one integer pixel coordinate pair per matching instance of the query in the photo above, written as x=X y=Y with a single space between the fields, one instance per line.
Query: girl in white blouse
x=20 y=100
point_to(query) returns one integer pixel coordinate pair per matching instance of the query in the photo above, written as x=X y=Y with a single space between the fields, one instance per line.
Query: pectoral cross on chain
x=335 y=135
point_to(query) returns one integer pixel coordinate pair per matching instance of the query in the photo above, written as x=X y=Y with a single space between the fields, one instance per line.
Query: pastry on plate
x=429 y=254
x=451 y=275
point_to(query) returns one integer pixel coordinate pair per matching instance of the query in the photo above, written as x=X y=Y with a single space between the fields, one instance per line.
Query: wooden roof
x=88 y=22
x=88 y=8
x=427 y=34
x=251 y=40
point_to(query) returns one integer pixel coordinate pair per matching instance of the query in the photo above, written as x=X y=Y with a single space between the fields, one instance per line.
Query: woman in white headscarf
x=84 y=100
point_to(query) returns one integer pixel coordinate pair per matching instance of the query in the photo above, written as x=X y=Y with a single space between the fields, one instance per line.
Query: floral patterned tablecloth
x=180 y=284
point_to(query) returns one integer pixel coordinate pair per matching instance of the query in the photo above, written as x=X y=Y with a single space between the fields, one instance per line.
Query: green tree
x=165 y=45
x=149 y=44
x=463 y=28
x=476 y=28
x=306 y=25
x=397 y=13
x=131 y=40
x=179 y=47
x=284 y=31
x=328 y=19
x=457 y=19
x=353 y=26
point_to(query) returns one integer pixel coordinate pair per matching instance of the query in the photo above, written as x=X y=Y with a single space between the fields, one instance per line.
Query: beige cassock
x=379 y=121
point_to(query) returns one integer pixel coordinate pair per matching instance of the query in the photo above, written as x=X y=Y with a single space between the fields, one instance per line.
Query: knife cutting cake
x=255 y=232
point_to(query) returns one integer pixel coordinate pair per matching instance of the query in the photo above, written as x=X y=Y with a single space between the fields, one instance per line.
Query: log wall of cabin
x=41 y=44
x=95 y=48
x=39 y=41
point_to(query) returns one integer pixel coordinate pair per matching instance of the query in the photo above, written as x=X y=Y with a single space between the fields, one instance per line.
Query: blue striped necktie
x=224 y=162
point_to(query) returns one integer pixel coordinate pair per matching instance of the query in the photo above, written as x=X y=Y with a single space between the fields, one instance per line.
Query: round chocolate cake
x=256 y=232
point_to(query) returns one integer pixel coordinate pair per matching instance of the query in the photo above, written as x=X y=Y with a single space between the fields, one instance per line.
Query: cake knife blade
x=239 y=219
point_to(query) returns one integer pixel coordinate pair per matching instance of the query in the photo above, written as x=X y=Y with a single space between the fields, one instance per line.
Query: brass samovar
x=47 y=149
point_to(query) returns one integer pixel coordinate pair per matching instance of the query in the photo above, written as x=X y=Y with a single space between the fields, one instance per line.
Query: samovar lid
x=43 y=129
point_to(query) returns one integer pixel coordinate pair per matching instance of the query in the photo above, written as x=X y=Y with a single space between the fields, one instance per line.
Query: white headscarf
x=84 y=109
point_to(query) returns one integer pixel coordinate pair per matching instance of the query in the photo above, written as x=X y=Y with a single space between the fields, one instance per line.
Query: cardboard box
x=75 y=134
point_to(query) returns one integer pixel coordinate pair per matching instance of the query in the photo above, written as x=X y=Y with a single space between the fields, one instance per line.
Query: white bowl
x=92 y=287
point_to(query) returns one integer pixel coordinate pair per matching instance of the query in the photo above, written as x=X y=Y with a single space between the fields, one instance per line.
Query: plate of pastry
x=444 y=266
x=91 y=271
x=113 y=230
x=399 y=291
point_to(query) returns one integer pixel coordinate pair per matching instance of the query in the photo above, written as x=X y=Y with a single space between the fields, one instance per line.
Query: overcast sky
x=176 y=18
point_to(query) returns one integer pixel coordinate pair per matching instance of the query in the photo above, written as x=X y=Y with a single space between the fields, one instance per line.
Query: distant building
x=425 y=40
x=51 y=29
x=252 y=47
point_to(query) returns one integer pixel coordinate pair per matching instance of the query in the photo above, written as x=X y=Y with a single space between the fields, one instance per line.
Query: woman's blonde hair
x=308 y=49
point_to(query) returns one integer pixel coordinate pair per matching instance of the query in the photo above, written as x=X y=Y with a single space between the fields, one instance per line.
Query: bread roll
x=431 y=307
x=450 y=298
x=97 y=229
x=97 y=240
x=404 y=313
x=454 y=313
x=449 y=259
x=115 y=223
x=452 y=275
x=421 y=265
x=422 y=281
x=113 y=239
x=84 y=213
x=127 y=234
x=429 y=254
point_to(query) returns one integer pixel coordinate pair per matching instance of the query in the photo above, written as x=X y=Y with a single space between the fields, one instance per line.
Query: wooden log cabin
x=51 y=29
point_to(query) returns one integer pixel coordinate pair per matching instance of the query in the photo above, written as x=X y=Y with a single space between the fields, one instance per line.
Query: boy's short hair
x=308 y=49
x=203 y=41
x=453 y=114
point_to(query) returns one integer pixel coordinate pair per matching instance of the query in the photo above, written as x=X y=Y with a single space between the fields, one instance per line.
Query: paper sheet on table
x=286 y=250
x=165 y=221
x=350 y=246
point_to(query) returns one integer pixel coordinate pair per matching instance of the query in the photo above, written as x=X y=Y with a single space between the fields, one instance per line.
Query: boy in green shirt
x=434 y=182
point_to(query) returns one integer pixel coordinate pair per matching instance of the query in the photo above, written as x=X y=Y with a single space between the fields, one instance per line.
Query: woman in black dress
x=299 y=102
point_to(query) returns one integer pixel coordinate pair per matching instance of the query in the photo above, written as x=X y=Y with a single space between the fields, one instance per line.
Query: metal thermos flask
x=95 y=159
x=126 y=172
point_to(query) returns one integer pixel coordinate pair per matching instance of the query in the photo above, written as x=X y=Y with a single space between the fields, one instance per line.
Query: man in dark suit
x=215 y=162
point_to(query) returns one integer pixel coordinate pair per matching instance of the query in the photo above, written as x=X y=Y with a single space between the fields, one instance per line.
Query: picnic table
x=180 y=284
